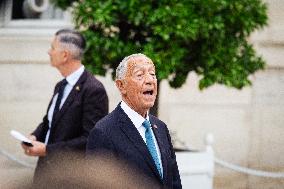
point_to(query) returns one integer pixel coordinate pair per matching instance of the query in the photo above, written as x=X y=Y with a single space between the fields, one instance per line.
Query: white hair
x=122 y=67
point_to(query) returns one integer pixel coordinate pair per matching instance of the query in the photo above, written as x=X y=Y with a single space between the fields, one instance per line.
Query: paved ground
x=13 y=175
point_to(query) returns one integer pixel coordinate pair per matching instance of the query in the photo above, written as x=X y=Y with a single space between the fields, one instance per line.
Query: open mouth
x=148 y=92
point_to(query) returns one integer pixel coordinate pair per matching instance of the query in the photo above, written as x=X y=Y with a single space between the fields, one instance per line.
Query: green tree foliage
x=208 y=37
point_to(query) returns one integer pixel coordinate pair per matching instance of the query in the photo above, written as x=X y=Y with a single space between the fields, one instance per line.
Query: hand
x=25 y=147
x=38 y=148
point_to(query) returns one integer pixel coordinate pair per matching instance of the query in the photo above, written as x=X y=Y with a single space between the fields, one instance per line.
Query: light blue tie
x=151 y=146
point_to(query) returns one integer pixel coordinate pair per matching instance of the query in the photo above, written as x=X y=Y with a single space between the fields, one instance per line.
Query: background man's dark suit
x=115 y=135
x=85 y=105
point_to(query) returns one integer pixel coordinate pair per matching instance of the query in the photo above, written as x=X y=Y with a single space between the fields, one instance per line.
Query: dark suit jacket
x=85 y=105
x=116 y=135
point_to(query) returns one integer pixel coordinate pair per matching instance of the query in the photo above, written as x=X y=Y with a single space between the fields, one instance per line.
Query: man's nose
x=149 y=78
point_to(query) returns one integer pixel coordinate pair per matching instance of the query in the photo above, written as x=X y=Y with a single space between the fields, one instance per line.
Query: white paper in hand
x=20 y=137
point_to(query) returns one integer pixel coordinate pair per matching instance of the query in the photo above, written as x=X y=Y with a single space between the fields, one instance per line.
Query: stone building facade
x=248 y=124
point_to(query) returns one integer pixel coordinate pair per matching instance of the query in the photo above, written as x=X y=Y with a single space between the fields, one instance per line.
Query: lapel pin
x=155 y=126
x=77 y=88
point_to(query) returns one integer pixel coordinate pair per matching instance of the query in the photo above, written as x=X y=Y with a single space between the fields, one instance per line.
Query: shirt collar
x=136 y=118
x=74 y=77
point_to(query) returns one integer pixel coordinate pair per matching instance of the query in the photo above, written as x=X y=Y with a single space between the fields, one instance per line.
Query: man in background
x=78 y=102
x=130 y=134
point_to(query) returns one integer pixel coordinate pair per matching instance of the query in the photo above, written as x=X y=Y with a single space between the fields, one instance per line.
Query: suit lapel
x=133 y=135
x=56 y=88
x=73 y=94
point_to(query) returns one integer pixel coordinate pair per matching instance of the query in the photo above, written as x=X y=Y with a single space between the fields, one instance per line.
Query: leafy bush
x=208 y=37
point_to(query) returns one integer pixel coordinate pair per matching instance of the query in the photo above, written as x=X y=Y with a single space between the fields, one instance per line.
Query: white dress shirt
x=71 y=81
x=137 y=120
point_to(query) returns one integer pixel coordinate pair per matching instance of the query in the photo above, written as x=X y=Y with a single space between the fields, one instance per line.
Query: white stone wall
x=248 y=124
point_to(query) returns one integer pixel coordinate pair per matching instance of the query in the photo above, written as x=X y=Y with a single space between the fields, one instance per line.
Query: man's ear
x=120 y=84
x=66 y=55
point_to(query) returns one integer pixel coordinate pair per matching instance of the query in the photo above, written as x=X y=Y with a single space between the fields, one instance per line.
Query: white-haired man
x=130 y=133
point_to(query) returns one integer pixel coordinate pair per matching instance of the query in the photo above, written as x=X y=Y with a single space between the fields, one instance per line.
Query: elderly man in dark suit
x=78 y=102
x=130 y=133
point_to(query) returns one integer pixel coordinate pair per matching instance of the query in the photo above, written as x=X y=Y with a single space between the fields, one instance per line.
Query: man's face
x=140 y=84
x=55 y=53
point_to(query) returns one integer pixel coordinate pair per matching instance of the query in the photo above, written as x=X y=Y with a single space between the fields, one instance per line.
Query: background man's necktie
x=62 y=85
x=151 y=145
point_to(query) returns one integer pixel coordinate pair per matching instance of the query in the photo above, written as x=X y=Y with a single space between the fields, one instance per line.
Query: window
x=32 y=14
